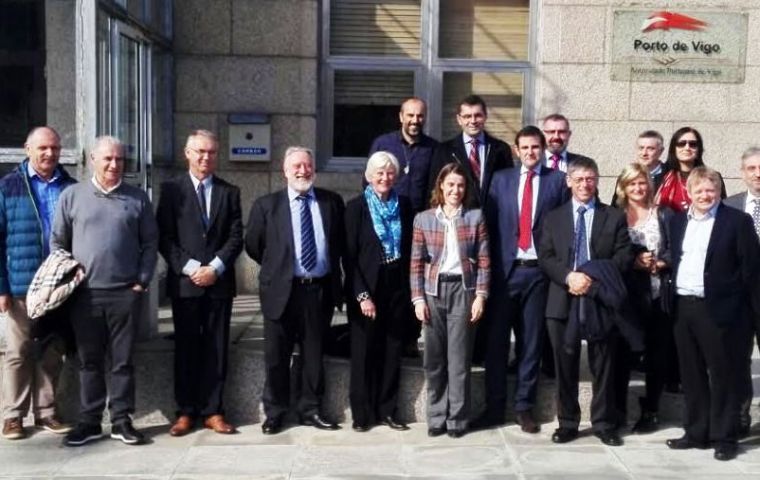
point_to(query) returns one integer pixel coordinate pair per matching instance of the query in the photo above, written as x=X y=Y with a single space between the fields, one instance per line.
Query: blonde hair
x=630 y=173
x=703 y=173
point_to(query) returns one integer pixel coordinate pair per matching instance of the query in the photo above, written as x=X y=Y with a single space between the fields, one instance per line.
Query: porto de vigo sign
x=679 y=46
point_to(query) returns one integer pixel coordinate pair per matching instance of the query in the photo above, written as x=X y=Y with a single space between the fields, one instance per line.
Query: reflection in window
x=366 y=105
x=502 y=93
x=484 y=29
x=375 y=27
x=162 y=108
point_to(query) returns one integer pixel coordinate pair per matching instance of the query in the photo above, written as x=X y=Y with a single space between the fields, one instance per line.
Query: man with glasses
x=557 y=131
x=579 y=239
x=109 y=228
x=201 y=235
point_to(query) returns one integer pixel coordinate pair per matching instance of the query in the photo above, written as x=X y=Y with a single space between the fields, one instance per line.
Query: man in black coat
x=297 y=236
x=556 y=127
x=582 y=229
x=201 y=235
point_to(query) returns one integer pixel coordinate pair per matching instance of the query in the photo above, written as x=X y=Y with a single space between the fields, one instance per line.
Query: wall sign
x=679 y=46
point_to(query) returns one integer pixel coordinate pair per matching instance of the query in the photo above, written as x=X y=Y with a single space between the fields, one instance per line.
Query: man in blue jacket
x=28 y=197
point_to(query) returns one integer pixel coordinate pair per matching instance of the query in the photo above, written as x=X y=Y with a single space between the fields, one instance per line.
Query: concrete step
x=155 y=395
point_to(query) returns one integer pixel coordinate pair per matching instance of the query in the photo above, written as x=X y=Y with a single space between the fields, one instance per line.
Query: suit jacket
x=609 y=240
x=731 y=268
x=364 y=252
x=269 y=241
x=503 y=213
x=498 y=157
x=182 y=235
x=737 y=201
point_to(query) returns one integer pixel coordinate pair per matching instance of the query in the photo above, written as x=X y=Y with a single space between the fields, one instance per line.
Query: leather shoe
x=485 y=422
x=725 y=451
x=182 y=426
x=217 y=424
x=684 y=443
x=271 y=426
x=564 y=435
x=526 y=422
x=456 y=433
x=360 y=426
x=609 y=437
x=318 y=422
x=436 y=431
x=391 y=422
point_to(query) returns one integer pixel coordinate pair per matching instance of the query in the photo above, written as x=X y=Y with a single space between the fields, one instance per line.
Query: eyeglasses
x=684 y=143
x=556 y=132
x=580 y=180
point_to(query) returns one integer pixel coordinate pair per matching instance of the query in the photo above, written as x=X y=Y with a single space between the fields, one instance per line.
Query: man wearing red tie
x=557 y=130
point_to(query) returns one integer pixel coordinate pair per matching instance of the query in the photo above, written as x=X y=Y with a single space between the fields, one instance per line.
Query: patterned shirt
x=46 y=193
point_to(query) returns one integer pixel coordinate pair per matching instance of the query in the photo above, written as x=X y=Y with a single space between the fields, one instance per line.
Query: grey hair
x=753 y=151
x=106 y=140
x=379 y=161
x=201 y=133
x=298 y=149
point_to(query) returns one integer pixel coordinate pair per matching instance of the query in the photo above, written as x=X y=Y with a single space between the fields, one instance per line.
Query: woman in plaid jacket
x=449 y=277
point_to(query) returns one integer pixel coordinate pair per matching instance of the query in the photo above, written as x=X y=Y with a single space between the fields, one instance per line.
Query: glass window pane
x=375 y=27
x=484 y=29
x=366 y=105
x=502 y=92
x=128 y=102
x=162 y=119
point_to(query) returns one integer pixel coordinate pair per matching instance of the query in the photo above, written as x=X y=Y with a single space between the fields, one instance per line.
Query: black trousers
x=201 y=337
x=746 y=388
x=104 y=323
x=601 y=358
x=711 y=359
x=377 y=346
x=304 y=323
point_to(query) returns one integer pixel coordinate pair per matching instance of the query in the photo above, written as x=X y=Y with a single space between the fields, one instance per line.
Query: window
x=375 y=53
x=23 y=100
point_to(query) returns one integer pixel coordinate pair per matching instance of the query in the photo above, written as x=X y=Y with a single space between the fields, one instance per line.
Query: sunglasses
x=690 y=143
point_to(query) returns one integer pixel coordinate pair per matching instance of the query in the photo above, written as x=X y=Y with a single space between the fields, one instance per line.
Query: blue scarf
x=386 y=220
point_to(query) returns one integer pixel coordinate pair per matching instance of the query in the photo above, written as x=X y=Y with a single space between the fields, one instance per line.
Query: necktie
x=756 y=215
x=555 y=162
x=526 y=212
x=475 y=158
x=202 y=202
x=308 y=244
x=581 y=247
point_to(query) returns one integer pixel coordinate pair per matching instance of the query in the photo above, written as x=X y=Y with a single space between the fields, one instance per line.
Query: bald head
x=43 y=148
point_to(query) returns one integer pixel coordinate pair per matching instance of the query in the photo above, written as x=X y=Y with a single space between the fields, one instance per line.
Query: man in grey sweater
x=110 y=228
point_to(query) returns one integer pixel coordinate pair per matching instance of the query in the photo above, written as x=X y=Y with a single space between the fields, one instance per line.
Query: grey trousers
x=448 y=353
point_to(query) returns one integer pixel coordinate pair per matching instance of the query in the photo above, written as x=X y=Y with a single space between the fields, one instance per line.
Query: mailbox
x=250 y=137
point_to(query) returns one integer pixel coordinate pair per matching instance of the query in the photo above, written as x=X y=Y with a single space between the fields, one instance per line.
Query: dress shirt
x=481 y=151
x=657 y=170
x=588 y=217
x=749 y=204
x=323 y=265
x=103 y=189
x=46 y=193
x=451 y=264
x=217 y=264
x=529 y=254
x=690 y=279
x=562 y=160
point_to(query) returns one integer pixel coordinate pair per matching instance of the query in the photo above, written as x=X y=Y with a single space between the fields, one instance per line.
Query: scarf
x=673 y=193
x=386 y=220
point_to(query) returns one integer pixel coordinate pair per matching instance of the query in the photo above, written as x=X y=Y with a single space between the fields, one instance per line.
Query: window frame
x=428 y=72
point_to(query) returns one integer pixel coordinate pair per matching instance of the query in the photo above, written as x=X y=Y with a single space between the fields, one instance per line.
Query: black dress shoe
x=391 y=422
x=609 y=437
x=526 y=422
x=648 y=422
x=564 y=435
x=486 y=421
x=436 y=431
x=271 y=426
x=725 y=451
x=360 y=426
x=684 y=443
x=459 y=433
x=318 y=422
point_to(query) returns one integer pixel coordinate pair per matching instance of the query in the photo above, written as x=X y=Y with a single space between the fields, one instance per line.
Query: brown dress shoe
x=182 y=426
x=217 y=424
x=526 y=422
x=53 y=425
x=13 y=429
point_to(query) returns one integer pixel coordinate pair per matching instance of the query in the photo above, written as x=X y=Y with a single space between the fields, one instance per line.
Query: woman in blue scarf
x=378 y=244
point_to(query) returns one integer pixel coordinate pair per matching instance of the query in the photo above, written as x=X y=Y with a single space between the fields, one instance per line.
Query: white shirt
x=589 y=221
x=104 y=189
x=481 y=151
x=562 y=160
x=530 y=253
x=690 y=279
x=217 y=264
x=450 y=262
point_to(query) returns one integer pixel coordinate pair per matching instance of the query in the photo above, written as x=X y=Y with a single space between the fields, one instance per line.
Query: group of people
x=455 y=238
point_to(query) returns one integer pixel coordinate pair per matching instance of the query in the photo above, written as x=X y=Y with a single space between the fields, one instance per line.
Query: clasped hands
x=204 y=276
x=648 y=262
x=578 y=283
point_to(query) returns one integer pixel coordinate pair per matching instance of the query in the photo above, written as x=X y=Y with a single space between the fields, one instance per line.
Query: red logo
x=671 y=21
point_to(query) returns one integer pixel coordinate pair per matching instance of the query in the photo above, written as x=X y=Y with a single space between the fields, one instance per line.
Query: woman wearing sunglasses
x=684 y=154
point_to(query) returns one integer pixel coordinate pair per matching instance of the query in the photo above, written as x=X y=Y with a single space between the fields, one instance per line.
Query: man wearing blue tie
x=297 y=236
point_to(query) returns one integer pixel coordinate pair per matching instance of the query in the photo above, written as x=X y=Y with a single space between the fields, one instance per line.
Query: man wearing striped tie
x=749 y=202
x=297 y=236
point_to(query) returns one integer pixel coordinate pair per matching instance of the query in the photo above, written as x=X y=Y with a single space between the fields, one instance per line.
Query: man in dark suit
x=649 y=148
x=716 y=261
x=582 y=230
x=201 y=235
x=297 y=236
x=557 y=130
x=519 y=198
x=478 y=152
